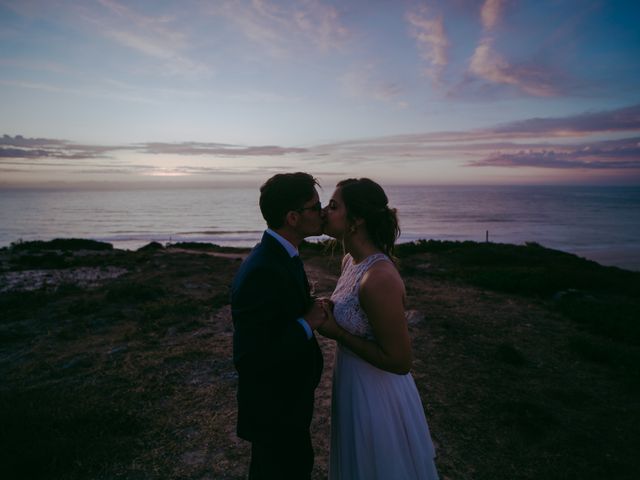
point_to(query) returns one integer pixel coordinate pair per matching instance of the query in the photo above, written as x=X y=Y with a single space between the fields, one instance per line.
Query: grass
x=604 y=300
x=132 y=292
x=52 y=432
x=527 y=367
x=93 y=380
x=509 y=354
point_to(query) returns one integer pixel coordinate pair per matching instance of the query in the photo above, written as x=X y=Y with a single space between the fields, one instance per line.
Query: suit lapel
x=282 y=256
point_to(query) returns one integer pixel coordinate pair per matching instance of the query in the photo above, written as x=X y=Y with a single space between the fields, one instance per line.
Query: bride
x=378 y=427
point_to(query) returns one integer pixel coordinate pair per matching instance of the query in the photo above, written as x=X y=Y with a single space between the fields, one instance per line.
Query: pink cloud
x=321 y=23
x=503 y=145
x=620 y=120
x=489 y=65
x=625 y=119
x=617 y=154
x=365 y=82
x=155 y=36
x=431 y=40
x=217 y=149
x=490 y=13
x=282 y=28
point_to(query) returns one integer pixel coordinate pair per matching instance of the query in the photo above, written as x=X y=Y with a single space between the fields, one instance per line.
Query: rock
x=78 y=361
x=120 y=349
x=171 y=332
x=571 y=294
x=414 y=317
x=83 y=277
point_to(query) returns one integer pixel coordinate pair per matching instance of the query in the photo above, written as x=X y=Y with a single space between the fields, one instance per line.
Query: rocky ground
x=118 y=364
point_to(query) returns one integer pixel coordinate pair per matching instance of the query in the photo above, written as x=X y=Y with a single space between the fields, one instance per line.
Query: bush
x=66 y=244
x=151 y=247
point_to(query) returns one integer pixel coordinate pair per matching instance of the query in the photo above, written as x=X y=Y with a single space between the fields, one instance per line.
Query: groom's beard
x=314 y=233
x=325 y=226
x=319 y=232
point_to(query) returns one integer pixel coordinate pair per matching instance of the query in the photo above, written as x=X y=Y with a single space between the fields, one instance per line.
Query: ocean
x=599 y=223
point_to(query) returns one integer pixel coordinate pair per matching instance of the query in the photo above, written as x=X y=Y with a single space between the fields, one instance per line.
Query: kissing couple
x=378 y=426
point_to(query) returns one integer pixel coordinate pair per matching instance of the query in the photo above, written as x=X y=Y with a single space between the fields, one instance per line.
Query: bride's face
x=335 y=217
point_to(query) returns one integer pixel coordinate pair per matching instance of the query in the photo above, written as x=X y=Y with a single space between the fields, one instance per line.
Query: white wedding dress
x=378 y=427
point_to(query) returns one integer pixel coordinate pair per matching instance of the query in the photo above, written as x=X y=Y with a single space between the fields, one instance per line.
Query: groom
x=274 y=349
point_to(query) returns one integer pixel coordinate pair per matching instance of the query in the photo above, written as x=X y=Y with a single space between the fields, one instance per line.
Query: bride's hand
x=316 y=315
x=326 y=302
x=329 y=328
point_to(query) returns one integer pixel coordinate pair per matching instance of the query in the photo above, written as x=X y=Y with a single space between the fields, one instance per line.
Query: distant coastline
x=599 y=223
x=627 y=259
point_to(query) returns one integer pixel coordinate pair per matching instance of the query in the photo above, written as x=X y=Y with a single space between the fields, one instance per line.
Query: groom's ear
x=292 y=218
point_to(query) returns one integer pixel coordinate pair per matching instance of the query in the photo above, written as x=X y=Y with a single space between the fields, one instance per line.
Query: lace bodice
x=349 y=315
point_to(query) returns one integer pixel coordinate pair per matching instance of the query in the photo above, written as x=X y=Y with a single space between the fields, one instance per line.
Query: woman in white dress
x=378 y=426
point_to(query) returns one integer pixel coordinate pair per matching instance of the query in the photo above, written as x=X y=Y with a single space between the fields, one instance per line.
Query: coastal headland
x=117 y=364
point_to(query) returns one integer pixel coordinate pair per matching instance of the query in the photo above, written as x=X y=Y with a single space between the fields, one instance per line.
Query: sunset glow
x=409 y=92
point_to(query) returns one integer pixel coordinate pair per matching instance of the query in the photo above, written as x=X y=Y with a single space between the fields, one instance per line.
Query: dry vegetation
x=527 y=361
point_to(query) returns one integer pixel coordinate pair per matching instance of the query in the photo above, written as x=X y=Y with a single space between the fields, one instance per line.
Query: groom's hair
x=283 y=193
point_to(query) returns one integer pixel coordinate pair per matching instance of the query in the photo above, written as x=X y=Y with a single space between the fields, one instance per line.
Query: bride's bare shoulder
x=382 y=277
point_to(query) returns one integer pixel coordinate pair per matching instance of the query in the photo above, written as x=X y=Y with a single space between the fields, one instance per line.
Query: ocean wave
x=220 y=232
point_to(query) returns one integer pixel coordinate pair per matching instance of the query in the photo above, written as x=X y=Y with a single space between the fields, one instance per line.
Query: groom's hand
x=316 y=315
x=330 y=327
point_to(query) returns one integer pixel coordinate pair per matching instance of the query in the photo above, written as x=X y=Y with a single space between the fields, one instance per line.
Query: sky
x=99 y=93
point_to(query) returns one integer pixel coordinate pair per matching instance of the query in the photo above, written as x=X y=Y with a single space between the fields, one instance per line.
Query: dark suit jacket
x=278 y=366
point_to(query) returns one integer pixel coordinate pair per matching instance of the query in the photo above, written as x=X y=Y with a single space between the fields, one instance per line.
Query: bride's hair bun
x=365 y=199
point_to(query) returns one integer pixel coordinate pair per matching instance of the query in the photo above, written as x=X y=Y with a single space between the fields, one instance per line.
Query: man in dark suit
x=274 y=349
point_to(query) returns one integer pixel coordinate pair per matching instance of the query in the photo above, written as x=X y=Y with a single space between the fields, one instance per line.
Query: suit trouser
x=290 y=458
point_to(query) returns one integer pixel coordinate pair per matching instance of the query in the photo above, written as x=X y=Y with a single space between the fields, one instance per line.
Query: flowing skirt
x=378 y=427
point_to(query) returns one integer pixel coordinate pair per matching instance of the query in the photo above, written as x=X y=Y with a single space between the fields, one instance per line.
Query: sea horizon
x=601 y=223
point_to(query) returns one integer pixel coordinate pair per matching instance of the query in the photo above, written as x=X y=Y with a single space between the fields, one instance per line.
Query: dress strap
x=365 y=265
x=371 y=259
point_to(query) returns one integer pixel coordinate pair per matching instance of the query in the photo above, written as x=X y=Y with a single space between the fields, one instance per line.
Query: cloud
x=155 y=36
x=364 y=82
x=625 y=119
x=19 y=153
x=489 y=65
x=216 y=149
x=528 y=142
x=618 y=154
x=490 y=13
x=431 y=40
x=19 y=147
x=553 y=143
x=281 y=28
x=20 y=141
x=321 y=23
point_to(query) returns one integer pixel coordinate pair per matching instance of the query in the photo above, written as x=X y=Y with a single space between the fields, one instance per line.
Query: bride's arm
x=382 y=299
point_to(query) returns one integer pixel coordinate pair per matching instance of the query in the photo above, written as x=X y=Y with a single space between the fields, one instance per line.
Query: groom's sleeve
x=262 y=339
x=307 y=328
